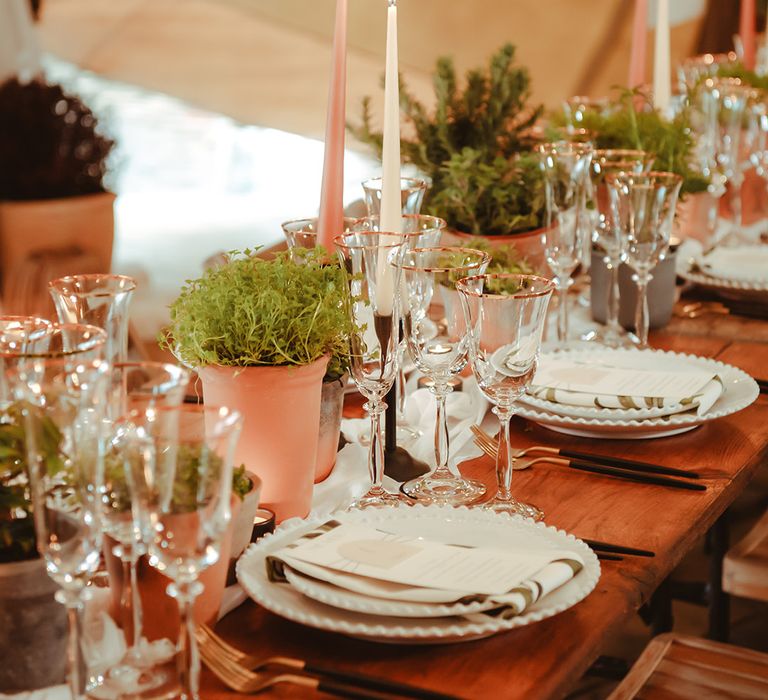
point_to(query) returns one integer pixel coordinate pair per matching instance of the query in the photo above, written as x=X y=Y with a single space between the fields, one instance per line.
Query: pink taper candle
x=331 y=220
x=639 y=40
x=747 y=32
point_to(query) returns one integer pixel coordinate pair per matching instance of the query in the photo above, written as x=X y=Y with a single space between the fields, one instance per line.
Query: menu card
x=368 y=552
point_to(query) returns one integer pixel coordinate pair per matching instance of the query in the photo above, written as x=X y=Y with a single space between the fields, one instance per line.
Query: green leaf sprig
x=475 y=146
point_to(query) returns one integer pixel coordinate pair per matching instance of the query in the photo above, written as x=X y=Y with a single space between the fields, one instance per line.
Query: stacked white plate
x=315 y=603
x=739 y=391
x=738 y=272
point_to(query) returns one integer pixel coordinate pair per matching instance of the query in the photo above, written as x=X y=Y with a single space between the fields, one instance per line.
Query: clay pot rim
x=237 y=369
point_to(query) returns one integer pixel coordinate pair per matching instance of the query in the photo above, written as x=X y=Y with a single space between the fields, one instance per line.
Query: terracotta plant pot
x=331 y=406
x=161 y=612
x=33 y=628
x=527 y=243
x=45 y=239
x=281 y=409
x=692 y=214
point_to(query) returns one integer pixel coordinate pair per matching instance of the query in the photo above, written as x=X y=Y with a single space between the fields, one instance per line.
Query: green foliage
x=624 y=126
x=17 y=531
x=254 y=312
x=473 y=147
x=748 y=77
x=504 y=259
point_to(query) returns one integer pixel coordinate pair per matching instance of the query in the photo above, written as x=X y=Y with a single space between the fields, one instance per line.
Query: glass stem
x=612 y=298
x=641 y=310
x=442 y=471
x=127 y=600
x=736 y=208
x=76 y=670
x=376 y=448
x=401 y=391
x=187 y=656
x=504 y=458
x=562 y=311
x=136 y=609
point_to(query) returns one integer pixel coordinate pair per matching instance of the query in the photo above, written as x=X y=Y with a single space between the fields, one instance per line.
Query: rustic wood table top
x=545 y=659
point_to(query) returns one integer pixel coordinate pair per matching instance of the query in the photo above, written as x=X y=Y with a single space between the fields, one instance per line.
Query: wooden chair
x=745 y=568
x=676 y=667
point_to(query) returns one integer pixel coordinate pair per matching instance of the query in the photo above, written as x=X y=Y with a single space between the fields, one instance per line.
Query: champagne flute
x=566 y=179
x=178 y=464
x=63 y=404
x=437 y=342
x=643 y=207
x=374 y=308
x=505 y=317
x=606 y=234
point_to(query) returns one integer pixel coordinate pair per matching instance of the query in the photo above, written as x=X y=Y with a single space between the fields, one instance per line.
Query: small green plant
x=17 y=528
x=504 y=260
x=475 y=146
x=254 y=312
x=623 y=125
x=50 y=144
x=748 y=77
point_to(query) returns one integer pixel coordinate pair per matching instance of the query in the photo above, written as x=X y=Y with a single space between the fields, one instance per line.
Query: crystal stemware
x=566 y=179
x=412 y=191
x=63 y=405
x=505 y=317
x=437 y=341
x=100 y=300
x=643 y=207
x=134 y=386
x=178 y=462
x=375 y=310
x=302 y=233
x=607 y=237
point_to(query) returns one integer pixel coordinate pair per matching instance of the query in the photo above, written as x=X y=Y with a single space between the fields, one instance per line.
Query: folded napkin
x=382 y=565
x=744 y=263
x=595 y=385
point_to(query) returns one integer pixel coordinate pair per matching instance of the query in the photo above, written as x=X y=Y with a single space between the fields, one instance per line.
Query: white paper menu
x=366 y=551
x=570 y=375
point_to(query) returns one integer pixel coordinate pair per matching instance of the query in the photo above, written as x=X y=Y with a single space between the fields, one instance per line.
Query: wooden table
x=544 y=660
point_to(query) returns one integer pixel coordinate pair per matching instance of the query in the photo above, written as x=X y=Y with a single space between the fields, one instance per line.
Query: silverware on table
x=628 y=464
x=488 y=445
x=237 y=667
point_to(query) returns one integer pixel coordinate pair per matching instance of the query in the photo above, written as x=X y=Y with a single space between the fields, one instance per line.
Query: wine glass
x=374 y=308
x=178 y=464
x=412 y=191
x=302 y=233
x=607 y=237
x=643 y=207
x=505 y=317
x=63 y=406
x=566 y=179
x=134 y=386
x=101 y=300
x=437 y=342
x=421 y=231
x=693 y=70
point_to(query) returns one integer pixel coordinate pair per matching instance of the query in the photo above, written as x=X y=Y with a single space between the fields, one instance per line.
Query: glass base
x=454 y=491
x=406 y=433
x=513 y=507
x=380 y=499
x=124 y=680
x=611 y=338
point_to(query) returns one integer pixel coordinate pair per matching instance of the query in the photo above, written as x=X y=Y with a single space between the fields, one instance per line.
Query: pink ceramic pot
x=527 y=243
x=281 y=410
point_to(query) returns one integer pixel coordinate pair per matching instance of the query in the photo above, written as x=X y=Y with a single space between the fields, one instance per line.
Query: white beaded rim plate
x=443 y=523
x=620 y=357
x=739 y=391
x=705 y=280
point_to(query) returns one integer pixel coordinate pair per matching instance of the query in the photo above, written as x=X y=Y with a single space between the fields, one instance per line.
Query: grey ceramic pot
x=33 y=628
x=661 y=292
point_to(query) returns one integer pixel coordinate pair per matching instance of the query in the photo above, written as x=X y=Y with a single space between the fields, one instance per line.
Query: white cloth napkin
x=464 y=408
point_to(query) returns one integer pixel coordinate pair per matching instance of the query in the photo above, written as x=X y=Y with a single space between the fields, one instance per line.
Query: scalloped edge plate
x=456 y=525
x=740 y=390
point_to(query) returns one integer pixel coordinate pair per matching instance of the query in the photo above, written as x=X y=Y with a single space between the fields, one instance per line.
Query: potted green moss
x=261 y=333
x=476 y=147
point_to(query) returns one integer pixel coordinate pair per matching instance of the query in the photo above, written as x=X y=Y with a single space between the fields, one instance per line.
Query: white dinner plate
x=739 y=391
x=471 y=527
